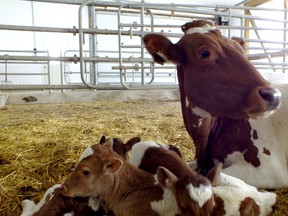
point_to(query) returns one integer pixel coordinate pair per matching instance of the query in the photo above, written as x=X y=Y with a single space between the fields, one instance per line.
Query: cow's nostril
x=272 y=96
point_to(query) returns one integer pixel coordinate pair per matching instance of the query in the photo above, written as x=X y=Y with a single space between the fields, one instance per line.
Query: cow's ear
x=165 y=178
x=112 y=165
x=214 y=174
x=240 y=41
x=161 y=49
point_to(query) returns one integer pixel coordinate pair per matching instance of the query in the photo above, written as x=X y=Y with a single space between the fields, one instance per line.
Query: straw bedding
x=41 y=143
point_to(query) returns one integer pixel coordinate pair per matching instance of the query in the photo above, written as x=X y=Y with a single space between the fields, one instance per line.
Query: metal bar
x=81 y=58
x=157 y=6
x=6 y=71
x=99 y=87
x=142 y=46
x=25 y=51
x=22 y=74
x=142 y=67
x=38 y=58
x=74 y=59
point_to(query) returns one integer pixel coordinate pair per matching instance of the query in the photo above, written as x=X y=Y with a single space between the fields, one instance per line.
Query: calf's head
x=119 y=146
x=193 y=194
x=215 y=77
x=94 y=174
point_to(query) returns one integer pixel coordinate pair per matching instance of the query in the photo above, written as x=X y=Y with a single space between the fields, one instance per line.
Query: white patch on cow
x=163 y=56
x=165 y=146
x=88 y=152
x=168 y=206
x=94 y=203
x=69 y=214
x=233 y=191
x=200 y=112
x=187 y=104
x=28 y=207
x=138 y=151
x=203 y=30
x=200 y=194
x=193 y=164
x=33 y=209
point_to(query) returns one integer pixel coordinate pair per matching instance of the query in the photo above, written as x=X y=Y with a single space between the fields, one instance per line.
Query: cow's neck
x=230 y=135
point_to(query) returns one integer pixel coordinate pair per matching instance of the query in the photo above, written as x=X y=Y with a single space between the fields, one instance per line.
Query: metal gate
x=126 y=64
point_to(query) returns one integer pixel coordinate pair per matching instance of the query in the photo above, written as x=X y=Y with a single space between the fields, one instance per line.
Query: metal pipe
x=6 y=71
x=99 y=87
x=142 y=46
x=34 y=37
x=22 y=74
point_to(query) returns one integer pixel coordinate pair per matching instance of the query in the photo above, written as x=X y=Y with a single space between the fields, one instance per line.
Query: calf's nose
x=271 y=96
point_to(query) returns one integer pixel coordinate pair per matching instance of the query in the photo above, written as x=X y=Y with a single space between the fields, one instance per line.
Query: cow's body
x=221 y=95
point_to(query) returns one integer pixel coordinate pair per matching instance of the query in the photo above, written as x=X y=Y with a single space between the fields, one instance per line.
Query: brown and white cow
x=222 y=95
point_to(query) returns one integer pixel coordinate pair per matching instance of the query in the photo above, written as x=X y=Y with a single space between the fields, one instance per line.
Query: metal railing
x=132 y=66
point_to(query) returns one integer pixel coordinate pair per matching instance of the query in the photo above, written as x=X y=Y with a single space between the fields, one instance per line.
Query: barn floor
x=41 y=142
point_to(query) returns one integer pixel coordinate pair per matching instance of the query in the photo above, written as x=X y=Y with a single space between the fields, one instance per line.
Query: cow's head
x=215 y=77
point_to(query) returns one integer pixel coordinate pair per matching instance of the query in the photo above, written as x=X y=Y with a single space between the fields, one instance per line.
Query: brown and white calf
x=223 y=97
x=231 y=195
x=127 y=190
x=54 y=203
x=149 y=156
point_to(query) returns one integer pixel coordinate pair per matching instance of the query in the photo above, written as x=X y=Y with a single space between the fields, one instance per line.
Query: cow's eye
x=86 y=172
x=204 y=53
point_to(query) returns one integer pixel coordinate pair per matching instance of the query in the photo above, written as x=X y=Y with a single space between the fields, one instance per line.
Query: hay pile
x=40 y=144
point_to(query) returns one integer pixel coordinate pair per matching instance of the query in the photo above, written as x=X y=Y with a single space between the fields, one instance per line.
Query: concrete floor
x=88 y=96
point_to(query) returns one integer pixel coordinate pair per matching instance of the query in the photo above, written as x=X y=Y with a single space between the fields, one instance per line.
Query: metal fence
x=127 y=64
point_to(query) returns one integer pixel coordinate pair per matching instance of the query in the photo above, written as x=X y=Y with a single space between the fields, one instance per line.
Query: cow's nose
x=271 y=96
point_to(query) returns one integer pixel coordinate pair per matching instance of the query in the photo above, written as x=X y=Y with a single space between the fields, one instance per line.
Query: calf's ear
x=102 y=140
x=161 y=49
x=129 y=144
x=214 y=174
x=112 y=165
x=165 y=178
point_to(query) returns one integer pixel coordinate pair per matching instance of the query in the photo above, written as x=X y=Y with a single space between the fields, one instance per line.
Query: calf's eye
x=86 y=172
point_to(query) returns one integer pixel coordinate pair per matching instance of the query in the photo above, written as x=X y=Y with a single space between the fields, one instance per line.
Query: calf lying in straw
x=231 y=195
x=127 y=190
x=55 y=204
